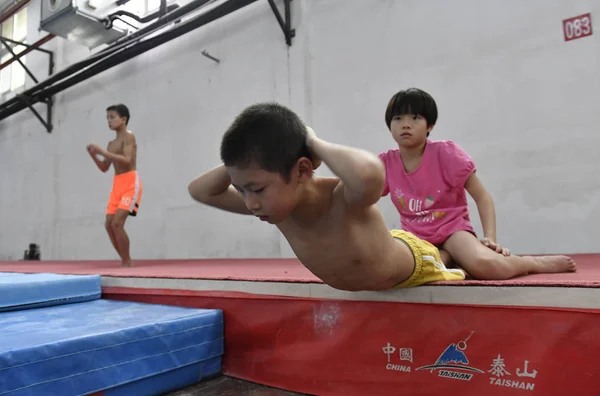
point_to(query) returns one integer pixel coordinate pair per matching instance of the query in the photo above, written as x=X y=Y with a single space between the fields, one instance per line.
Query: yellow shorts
x=428 y=264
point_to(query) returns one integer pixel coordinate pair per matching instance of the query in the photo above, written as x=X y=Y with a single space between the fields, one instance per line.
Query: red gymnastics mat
x=276 y=270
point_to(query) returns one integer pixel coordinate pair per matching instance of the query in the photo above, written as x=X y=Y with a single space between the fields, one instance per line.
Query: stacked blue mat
x=57 y=337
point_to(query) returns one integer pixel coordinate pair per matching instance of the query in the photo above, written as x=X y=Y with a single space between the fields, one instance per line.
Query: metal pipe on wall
x=145 y=19
x=113 y=48
x=129 y=53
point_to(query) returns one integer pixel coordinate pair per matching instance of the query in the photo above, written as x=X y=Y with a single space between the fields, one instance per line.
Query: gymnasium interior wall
x=510 y=90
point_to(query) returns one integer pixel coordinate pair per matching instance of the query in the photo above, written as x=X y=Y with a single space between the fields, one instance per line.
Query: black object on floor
x=227 y=386
x=33 y=253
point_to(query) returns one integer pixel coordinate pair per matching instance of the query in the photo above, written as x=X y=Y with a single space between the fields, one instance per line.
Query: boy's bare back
x=349 y=249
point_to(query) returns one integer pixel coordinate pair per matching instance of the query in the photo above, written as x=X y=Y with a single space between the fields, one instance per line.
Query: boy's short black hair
x=121 y=110
x=412 y=101
x=267 y=134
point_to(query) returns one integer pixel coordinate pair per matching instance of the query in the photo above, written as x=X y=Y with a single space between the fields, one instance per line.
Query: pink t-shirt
x=431 y=199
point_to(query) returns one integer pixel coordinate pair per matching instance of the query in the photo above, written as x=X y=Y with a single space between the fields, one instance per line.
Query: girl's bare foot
x=552 y=264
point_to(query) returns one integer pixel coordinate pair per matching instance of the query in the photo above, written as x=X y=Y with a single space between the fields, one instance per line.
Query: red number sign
x=577 y=27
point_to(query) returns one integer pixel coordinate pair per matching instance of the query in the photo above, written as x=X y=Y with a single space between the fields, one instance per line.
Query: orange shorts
x=126 y=193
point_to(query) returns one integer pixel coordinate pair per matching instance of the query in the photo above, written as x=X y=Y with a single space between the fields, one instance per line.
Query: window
x=12 y=77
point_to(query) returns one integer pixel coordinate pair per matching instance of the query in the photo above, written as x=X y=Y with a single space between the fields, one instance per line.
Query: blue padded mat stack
x=114 y=347
x=20 y=291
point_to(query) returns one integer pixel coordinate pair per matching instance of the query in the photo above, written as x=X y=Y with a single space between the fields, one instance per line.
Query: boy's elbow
x=196 y=192
x=372 y=183
x=193 y=191
x=374 y=177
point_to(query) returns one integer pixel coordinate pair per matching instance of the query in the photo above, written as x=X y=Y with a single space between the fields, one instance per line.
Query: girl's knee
x=489 y=268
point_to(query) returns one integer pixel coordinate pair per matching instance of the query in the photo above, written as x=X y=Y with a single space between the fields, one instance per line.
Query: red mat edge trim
x=107 y=290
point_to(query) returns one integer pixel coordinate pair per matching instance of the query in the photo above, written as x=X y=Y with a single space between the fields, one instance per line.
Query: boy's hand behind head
x=310 y=137
x=310 y=133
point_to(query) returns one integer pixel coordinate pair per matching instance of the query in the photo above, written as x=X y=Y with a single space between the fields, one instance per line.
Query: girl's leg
x=483 y=263
x=449 y=262
x=446 y=258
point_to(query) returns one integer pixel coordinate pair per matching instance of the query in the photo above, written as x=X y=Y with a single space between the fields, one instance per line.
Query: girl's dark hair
x=412 y=101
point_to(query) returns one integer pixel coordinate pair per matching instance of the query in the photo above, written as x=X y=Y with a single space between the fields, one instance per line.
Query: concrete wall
x=510 y=90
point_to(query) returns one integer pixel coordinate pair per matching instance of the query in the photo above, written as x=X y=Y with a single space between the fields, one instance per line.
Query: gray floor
x=227 y=386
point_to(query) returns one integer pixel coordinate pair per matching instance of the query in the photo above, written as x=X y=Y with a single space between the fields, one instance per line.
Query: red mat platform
x=275 y=270
x=284 y=328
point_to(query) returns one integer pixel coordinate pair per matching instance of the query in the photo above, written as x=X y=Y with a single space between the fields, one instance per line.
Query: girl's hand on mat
x=310 y=137
x=495 y=247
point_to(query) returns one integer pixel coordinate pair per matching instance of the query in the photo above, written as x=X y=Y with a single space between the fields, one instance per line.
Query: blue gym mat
x=118 y=347
x=21 y=291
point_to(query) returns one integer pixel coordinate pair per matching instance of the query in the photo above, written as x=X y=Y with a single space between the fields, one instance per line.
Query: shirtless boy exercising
x=332 y=224
x=127 y=188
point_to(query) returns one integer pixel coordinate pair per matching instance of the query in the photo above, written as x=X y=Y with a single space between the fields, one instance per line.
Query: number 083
x=577 y=27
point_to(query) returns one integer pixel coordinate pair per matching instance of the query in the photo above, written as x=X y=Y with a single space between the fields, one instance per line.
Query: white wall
x=510 y=91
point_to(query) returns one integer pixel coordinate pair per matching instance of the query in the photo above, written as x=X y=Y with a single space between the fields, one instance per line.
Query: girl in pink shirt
x=427 y=180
